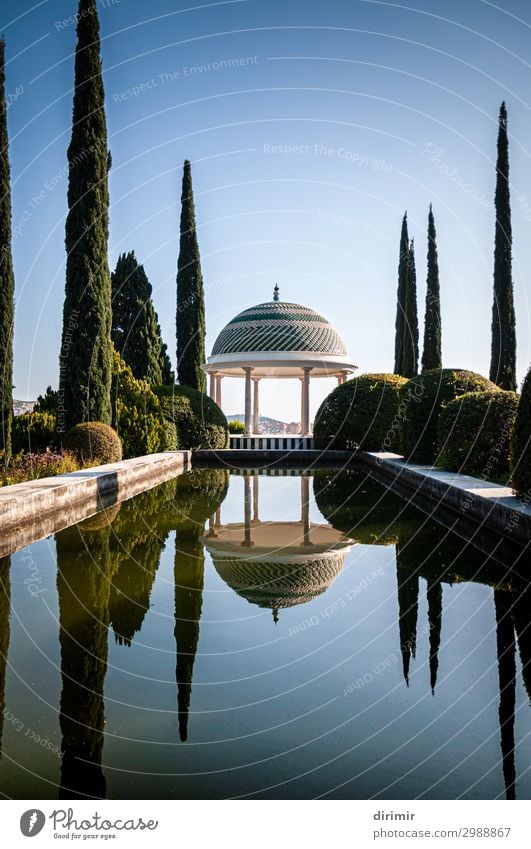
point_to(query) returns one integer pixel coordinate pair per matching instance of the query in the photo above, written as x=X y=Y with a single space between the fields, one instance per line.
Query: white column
x=305 y=402
x=212 y=386
x=256 y=496
x=247 y=542
x=305 y=508
x=248 y=422
x=256 y=411
x=218 y=389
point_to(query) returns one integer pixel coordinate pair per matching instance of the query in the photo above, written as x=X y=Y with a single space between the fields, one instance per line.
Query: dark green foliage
x=135 y=327
x=137 y=415
x=521 y=442
x=34 y=432
x=401 y=296
x=421 y=401
x=198 y=419
x=474 y=434
x=94 y=442
x=138 y=543
x=86 y=350
x=355 y=504
x=361 y=413
x=85 y=567
x=7 y=278
x=503 y=351
x=190 y=295
x=5 y=608
x=47 y=403
x=189 y=579
x=408 y=595
x=431 y=353
x=410 y=348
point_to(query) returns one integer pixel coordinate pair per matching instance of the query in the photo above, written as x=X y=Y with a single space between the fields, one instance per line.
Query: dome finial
x=276 y=291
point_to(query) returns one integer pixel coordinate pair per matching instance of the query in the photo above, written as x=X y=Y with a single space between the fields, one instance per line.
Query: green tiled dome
x=279 y=326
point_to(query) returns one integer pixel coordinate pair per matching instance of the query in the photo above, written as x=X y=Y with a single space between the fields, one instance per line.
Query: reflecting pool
x=254 y=635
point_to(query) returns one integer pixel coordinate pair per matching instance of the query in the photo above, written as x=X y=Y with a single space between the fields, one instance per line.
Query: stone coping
x=35 y=509
x=493 y=505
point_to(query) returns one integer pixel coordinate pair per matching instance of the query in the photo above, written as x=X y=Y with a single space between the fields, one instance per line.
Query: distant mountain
x=20 y=407
x=264 y=420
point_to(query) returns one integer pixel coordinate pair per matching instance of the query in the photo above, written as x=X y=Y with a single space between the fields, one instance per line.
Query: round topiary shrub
x=361 y=413
x=421 y=401
x=198 y=420
x=34 y=432
x=474 y=434
x=94 y=442
x=521 y=443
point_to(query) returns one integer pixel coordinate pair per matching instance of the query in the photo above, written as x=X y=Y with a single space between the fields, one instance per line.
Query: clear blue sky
x=377 y=107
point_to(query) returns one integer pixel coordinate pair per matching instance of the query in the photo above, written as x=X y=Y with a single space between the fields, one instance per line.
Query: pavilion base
x=272 y=442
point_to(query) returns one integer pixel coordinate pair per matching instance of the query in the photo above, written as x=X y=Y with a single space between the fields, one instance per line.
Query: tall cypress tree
x=7 y=279
x=190 y=295
x=86 y=348
x=135 y=326
x=503 y=351
x=401 y=295
x=431 y=353
x=410 y=347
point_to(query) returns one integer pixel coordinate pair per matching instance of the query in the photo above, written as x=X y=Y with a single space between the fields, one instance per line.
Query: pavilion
x=276 y=565
x=276 y=339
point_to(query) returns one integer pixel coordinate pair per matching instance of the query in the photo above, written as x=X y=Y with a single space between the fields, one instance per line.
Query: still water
x=260 y=636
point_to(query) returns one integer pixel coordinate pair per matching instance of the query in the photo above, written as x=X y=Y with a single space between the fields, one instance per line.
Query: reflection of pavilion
x=276 y=564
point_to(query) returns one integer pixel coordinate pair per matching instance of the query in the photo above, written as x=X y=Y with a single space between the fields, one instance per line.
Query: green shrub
x=474 y=434
x=361 y=413
x=137 y=415
x=236 y=426
x=94 y=441
x=198 y=420
x=34 y=432
x=421 y=400
x=521 y=442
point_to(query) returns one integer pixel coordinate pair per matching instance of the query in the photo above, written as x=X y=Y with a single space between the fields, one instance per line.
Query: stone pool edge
x=488 y=504
x=32 y=510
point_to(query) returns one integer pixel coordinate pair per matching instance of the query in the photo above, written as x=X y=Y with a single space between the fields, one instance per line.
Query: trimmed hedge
x=474 y=434
x=236 y=426
x=198 y=421
x=521 y=442
x=94 y=441
x=137 y=415
x=361 y=413
x=421 y=401
x=34 y=432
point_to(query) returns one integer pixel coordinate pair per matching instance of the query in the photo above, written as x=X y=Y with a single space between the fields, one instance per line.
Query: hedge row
x=453 y=418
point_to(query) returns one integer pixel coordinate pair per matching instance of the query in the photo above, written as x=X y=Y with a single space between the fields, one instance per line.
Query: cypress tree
x=503 y=351
x=135 y=326
x=410 y=347
x=190 y=295
x=431 y=353
x=86 y=349
x=400 y=305
x=7 y=279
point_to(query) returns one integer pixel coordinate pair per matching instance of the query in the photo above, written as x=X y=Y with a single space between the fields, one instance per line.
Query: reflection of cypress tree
x=408 y=596
x=434 y=594
x=5 y=604
x=131 y=588
x=521 y=616
x=189 y=570
x=85 y=568
x=506 y=651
